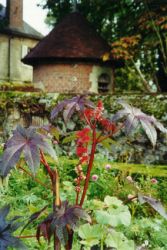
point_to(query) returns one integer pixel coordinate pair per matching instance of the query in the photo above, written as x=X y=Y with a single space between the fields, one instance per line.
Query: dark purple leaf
x=134 y=117
x=7 y=227
x=33 y=217
x=69 y=110
x=59 y=108
x=150 y=131
x=57 y=222
x=32 y=156
x=77 y=103
x=9 y=160
x=156 y=204
x=28 y=142
x=44 y=230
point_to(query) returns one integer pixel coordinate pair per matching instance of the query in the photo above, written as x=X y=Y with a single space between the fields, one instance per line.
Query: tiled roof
x=72 y=39
x=2 y=11
x=25 y=31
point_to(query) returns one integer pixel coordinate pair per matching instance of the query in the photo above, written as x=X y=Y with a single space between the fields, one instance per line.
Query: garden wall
x=34 y=108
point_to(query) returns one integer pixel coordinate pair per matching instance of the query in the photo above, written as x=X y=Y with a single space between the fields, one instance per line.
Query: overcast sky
x=33 y=15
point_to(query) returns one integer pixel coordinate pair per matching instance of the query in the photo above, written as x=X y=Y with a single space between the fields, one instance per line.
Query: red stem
x=53 y=178
x=90 y=165
x=46 y=165
x=77 y=198
x=87 y=121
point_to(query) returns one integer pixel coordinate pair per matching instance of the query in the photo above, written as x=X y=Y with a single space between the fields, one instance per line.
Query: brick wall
x=63 y=78
x=70 y=78
x=15 y=13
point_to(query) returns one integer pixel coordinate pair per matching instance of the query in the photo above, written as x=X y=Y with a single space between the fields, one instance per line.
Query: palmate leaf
x=63 y=219
x=28 y=142
x=135 y=117
x=77 y=103
x=33 y=217
x=7 y=227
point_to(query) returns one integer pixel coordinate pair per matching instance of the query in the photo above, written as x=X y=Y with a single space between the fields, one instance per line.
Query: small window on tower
x=103 y=83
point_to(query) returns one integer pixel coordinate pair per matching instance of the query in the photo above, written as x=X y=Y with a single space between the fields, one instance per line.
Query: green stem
x=102 y=244
x=102 y=240
x=27 y=236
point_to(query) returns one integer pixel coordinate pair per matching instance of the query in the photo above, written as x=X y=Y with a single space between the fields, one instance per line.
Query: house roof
x=72 y=39
x=2 y=11
x=25 y=31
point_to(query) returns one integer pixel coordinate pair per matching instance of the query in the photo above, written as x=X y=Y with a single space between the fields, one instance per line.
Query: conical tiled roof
x=72 y=39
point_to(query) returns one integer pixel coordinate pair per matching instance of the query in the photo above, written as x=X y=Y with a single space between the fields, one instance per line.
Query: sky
x=34 y=15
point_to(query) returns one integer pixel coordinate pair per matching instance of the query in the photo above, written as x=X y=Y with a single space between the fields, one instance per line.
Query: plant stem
x=46 y=165
x=55 y=190
x=56 y=203
x=35 y=179
x=145 y=83
x=27 y=236
x=101 y=245
x=90 y=165
x=77 y=198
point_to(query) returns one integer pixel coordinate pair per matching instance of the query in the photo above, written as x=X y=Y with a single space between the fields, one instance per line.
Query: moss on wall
x=153 y=105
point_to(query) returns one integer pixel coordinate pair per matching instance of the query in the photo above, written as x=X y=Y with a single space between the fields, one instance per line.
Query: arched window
x=103 y=83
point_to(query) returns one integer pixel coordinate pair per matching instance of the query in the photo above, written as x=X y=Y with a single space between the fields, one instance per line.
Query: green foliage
x=151 y=230
x=116 y=213
x=25 y=195
x=90 y=234
x=112 y=214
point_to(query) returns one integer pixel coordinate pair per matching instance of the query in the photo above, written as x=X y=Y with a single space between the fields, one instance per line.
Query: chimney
x=15 y=13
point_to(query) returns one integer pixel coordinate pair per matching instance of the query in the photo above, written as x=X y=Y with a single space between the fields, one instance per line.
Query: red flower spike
x=82 y=143
x=109 y=126
x=84 y=139
x=80 y=151
x=100 y=105
x=98 y=111
x=83 y=132
x=89 y=114
x=84 y=159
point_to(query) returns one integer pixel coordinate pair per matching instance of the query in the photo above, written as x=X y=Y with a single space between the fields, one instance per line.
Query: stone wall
x=34 y=108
